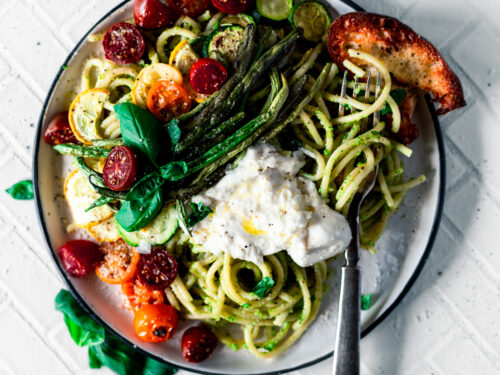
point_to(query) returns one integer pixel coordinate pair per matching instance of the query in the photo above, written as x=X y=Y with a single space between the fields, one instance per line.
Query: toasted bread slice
x=411 y=59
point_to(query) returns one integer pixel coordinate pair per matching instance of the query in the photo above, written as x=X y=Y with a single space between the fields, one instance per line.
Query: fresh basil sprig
x=22 y=190
x=174 y=171
x=140 y=129
x=103 y=348
x=200 y=211
x=174 y=131
x=138 y=211
x=263 y=286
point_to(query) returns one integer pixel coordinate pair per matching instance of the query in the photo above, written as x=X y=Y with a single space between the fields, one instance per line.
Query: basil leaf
x=140 y=129
x=174 y=131
x=145 y=185
x=139 y=211
x=174 y=170
x=398 y=95
x=200 y=212
x=263 y=286
x=67 y=304
x=23 y=190
x=182 y=216
x=81 y=336
x=366 y=301
x=101 y=201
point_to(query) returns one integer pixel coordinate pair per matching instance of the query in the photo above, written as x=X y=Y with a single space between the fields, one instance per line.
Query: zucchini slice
x=241 y=19
x=223 y=43
x=313 y=18
x=276 y=10
x=159 y=231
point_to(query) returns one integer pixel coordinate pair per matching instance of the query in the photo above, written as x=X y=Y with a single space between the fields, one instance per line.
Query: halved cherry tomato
x=153 y=14
x=190 y=8
x=167 y=100
x=155 y=323
x=136 y=295
x=78 y=257
x=198 y=343
x=123 y=43
x=232 y=6
x=120 y=170
x=207 y=76
x=118 y=264
x=158 y=269
x=59 y=131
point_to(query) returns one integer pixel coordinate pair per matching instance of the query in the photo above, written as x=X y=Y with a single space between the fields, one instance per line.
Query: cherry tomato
x=198 y=343
x=136 y=295
x=120 y=170
x=78 y=257
x=123 y=43
x=207 y=76
x=59 y=131
x=153 y=14
x=157 y=270
x=167 y=100
x=118 y=264
x=190 y=8
x=232 y=6
x=155 y=323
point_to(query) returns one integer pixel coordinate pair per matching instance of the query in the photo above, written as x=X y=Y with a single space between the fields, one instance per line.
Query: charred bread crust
x=411 y=59
x=408 y=130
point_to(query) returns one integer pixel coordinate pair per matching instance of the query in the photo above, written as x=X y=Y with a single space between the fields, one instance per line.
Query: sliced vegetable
x=149 y=76
x=118 y=264
x=191 y=8
x=80 y=195
x=158 y=269
x=207 y=76
x=59 y=131
x=120 y=170
x=123 y=43
x=140 y=130
x=224 y=42
x=136 y=295
x=86 y=114
x=183 y=57
x=241 y=19
x=155 y=323
x=79 y=257
x=276 y=10
x=22 y=190
x=232 y=6
x=313 y=18
x=167 y=100
x=105 y=231
x=159 y=231
x=198 y=343
x=153 y=14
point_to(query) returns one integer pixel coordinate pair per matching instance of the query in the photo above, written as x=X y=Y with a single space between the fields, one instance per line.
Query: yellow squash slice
x=105 y=231
x=183 y=57
x=80 y=195
x=86 y=114
x=147 y=78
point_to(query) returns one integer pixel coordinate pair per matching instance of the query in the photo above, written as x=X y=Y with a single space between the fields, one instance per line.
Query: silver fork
x=346 y=351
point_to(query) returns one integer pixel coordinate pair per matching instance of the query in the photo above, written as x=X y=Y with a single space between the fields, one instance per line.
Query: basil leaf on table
x=139 y=211
x=174 y=170
x=23 y=190
x=263 y=286
x=140 y=129
x=398 y=95
x=104 y=349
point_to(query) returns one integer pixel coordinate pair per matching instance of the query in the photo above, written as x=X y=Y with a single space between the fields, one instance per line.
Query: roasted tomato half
x=157 y=270
x=167 y=100
x=120 y=171
x=78 y=257
x=59 y=131
x=198 y=343
x=118 y=264
x=232 y=6
x=153 y=14
x=207 y=76
x=136 y=295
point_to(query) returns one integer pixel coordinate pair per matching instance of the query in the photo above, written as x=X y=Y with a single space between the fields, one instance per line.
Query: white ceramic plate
x=388 y=275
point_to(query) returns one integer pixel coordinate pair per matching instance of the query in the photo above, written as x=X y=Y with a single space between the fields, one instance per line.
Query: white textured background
x=450 y=321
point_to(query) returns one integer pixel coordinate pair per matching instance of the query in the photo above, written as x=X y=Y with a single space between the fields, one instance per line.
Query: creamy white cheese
x=261 y=207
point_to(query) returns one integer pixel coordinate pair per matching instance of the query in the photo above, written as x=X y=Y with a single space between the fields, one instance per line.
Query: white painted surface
x=448 y=324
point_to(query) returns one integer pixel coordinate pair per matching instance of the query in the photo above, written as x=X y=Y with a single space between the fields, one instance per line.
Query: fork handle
x=346 y=356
